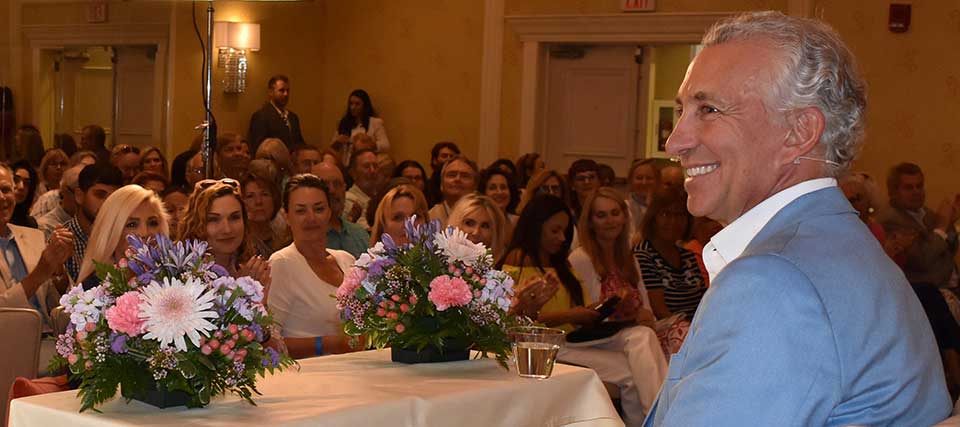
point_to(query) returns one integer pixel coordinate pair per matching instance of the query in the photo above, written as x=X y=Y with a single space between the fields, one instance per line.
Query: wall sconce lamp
x=233 y=40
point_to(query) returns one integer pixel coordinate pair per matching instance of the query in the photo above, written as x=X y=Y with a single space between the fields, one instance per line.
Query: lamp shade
x=238 y=35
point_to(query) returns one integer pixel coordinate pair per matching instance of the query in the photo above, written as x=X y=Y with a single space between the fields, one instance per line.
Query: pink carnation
x=446 y=292
x=351 y=282
x=125 y=315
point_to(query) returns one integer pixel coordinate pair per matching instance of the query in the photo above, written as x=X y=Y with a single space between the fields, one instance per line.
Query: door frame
x=47 y=37
x=535 y=32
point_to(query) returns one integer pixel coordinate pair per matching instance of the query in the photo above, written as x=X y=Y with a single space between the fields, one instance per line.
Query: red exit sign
x=637 y=5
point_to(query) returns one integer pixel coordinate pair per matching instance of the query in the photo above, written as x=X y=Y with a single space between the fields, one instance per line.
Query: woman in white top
x=306 y=274
x=604 y=260
x=361 y=118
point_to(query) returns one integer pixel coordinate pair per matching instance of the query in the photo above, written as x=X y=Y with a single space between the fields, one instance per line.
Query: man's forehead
x=730 y=68
x=5 y=176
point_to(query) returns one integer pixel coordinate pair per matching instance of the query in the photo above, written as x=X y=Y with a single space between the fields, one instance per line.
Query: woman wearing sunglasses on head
x=216 y=214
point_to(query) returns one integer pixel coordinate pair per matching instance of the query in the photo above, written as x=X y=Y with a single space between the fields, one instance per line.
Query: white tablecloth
x=363 y=389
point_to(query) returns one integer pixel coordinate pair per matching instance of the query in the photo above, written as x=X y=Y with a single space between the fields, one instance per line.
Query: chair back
x=20 y=330
x=59 y=319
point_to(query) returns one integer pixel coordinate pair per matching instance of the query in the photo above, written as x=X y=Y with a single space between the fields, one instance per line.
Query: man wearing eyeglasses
x=274 y=120
x=584 y=180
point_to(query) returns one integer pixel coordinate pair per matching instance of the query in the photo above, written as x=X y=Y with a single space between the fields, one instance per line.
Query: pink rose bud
x=452 y=268
x=395 y=297
x=71 y=359
x=231 y=343
x=413 y=299
x=229 y=355
x=203 y=340
x=477 y=293
x=233 y=328
x=381 y=312
x=235 y=337
x=90 y=326
x=247 y=334
x=122 y=263
x=237 y=357
x=218 y=334
x=214 y=343
x=400 y=328
x=383 y=304
x=225 y=350
x=404 y=308
x=88 y=364
x=205 y=349
x=483 y=281
x=392 y=315
x=469 y=270
x=81 y=335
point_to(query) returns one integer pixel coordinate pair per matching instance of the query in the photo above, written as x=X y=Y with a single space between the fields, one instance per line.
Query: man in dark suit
x=274 y=120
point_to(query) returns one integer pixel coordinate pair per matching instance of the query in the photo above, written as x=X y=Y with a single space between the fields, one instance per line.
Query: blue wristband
x=318 y=346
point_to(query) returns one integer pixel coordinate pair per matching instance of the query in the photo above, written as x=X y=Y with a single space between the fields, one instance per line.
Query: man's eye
x=707 y=109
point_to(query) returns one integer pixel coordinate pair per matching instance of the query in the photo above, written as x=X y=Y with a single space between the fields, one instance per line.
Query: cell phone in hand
x=607 y=307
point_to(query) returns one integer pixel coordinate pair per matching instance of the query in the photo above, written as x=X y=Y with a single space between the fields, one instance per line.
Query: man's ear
x=806 y=128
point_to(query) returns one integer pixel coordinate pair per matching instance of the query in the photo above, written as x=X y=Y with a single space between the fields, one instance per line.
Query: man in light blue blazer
x=807 y=322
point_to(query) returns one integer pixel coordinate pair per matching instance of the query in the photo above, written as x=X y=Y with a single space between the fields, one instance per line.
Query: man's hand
x=58 y=250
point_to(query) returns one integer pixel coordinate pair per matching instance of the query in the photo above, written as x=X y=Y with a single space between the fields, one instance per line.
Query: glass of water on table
x=535 y=349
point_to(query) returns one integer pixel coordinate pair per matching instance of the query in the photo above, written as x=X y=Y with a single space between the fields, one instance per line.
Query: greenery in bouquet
x=166 y=318
x=440 y=289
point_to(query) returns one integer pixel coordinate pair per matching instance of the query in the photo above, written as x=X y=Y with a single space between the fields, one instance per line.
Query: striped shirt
x=682 y=287
x=79 y=247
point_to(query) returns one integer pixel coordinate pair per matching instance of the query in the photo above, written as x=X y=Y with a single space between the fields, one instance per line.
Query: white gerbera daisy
x=173 y=309
x=454 y=244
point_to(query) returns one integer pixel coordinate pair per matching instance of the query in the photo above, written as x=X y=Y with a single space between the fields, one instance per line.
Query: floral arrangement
x=166 y=318
x=438 y=290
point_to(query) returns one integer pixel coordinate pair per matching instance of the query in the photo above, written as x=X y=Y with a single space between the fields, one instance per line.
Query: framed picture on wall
x=663 y=118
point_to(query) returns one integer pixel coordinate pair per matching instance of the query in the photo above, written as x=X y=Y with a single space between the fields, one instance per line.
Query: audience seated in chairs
x=306 y=273
x=632 y=359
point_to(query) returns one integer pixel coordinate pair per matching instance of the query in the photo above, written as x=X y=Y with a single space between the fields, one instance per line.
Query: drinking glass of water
x=535 y=349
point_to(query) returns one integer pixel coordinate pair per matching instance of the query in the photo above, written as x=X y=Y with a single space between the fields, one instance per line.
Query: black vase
x=430 y=354
x=161 y=397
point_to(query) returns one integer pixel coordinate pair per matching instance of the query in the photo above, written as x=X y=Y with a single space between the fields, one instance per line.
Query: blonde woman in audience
x=54 y=162
x=396 y=206
x=483 y=221
x=604 y=262
x=306 y=273
x=216 y=214
x=153 y=160
x=458 y=177
x=545 y=182
x=131 y=210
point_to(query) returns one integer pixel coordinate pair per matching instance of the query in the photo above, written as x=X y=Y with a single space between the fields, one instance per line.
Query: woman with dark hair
x=261 y=196
x=29 y=145
x=25 y=181
x=306 y=273
x=631 y=359
x=413 y=171
x=670 y=272
x=361 y=117
x=505 y=165
x=65 y=142
x=528 y=166
x=500 y=187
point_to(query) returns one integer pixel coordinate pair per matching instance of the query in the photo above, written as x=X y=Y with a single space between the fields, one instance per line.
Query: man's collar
x=279 y=110
x=728 y=244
